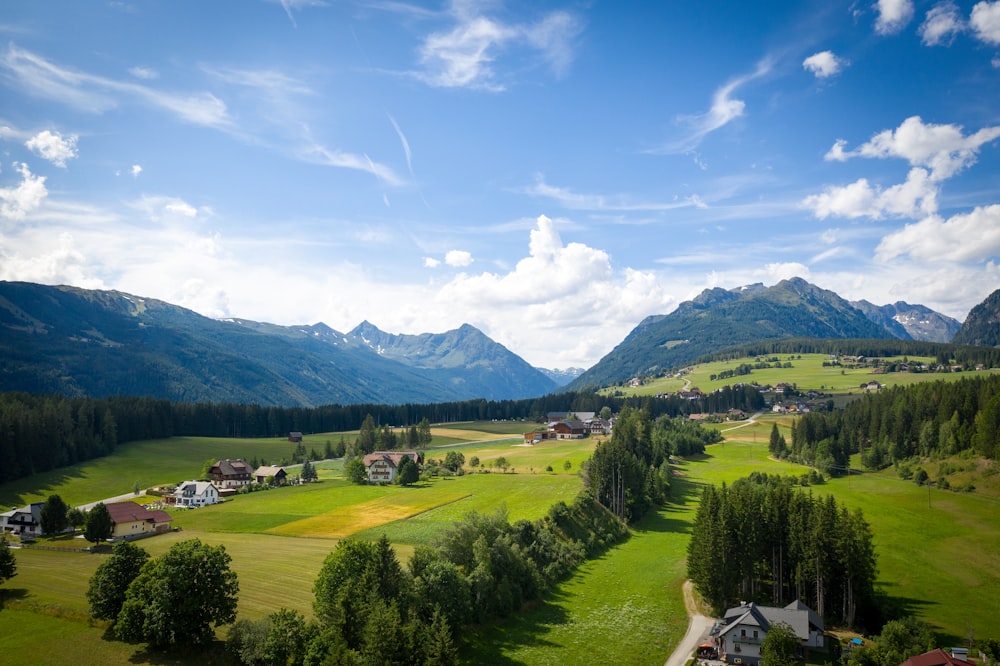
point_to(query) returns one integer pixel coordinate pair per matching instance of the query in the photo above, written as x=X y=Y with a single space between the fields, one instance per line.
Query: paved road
x=109 y=500
x=698 y=628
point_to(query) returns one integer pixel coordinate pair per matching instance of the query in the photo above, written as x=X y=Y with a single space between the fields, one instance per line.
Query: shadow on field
x=43 y=484
x=11 y=594
x=528 y=628
x=215 y=653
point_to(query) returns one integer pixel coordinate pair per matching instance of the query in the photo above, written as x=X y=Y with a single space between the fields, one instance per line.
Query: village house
x=24 y=522
x=131 y=520
x=568 y=429
x=939 y=657
x=383 y=465
x=194 y=494
x=264 y=472
x=230 y=475
x=744 y=628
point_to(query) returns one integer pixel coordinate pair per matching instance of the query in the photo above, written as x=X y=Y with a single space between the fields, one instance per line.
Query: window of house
x=743 y=633
x=755 y=633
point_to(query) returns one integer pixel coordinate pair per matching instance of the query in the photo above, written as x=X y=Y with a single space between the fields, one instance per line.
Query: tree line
x=762 y=539
x=40 y=433
x=630 y=473
x=895 y=424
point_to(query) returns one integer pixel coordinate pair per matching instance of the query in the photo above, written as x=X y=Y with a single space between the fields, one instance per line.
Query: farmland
x=625 y=605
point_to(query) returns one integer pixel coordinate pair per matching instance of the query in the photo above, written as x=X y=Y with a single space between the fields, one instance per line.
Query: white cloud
x=724 y=109
x=431 y=262
x=464 y=55
x=914 y=198
x=181 y=208
x=985 y=22
x=973 y=236
x=136 y=170
x=823 y=64
x=53 y=147
x=319 y=154
x=97 y=94
x=941 y=148
x=580 y=201
x=56 y=263
x=777 y=272
x=893 y=15
x=144 y=73
x=17 y=202
x=941 y=24
x=458 y=258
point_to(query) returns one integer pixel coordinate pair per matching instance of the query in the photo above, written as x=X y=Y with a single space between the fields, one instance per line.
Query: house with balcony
x=744 y=628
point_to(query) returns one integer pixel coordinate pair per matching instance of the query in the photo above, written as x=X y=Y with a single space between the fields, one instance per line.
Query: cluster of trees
x=176 y=599
x=369 y=608
x=762 y=539
x=927 y=420
x=630 y=473
x=8 y=563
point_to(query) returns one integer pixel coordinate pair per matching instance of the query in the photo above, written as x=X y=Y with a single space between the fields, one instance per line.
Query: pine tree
x=8 y=564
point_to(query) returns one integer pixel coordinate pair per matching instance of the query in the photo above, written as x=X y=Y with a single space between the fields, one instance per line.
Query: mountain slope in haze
x=911 y=322
x=982 y=326
x=719 y=318
x=562 y=377
x=86 y=342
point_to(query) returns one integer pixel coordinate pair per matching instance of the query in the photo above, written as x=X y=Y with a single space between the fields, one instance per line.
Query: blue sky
x=550 y=172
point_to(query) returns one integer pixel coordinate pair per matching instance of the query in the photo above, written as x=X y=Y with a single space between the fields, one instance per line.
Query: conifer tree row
x=763 y=540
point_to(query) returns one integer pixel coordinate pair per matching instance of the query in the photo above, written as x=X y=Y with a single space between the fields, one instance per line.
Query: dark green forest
x=931 y=419
x=764 y=539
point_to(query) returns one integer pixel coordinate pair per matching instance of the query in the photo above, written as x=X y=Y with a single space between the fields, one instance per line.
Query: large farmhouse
x=382 y=465
x=230 y=474
x=744 y=628
x=130 y=520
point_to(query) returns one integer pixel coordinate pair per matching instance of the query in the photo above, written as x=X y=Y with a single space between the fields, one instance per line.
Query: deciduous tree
x=355 y=471
x=54 y=515
x=110 y=582
x=408 y=472
x=98 y=525
x=180 y=597
x=780 y=646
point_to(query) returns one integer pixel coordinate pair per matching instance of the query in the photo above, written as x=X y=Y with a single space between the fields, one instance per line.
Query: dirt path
x=698 y=627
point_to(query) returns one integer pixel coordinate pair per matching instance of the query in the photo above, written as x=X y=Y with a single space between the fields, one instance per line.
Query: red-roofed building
x=129 y=519
x=936 y=657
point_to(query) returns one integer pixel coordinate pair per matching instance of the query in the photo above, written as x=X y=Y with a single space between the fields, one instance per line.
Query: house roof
x=200 y=487
x=391 y=457
x=127 y=512
x=796 y=615
x=231 y=467
x=936 y=657
x=269 y=470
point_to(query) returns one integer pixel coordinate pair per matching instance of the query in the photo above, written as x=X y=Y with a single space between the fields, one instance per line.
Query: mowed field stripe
x=344 y=521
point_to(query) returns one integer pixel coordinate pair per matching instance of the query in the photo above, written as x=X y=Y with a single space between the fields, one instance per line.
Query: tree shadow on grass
x=211 y=654
x=11 y=594
x=488 y=643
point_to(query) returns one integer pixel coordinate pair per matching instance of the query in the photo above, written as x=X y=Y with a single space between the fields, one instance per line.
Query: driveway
x=699 y=627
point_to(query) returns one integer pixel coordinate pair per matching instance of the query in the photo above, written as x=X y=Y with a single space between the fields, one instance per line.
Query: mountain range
x=90 y=342
x=87 y=342
x=720 y=318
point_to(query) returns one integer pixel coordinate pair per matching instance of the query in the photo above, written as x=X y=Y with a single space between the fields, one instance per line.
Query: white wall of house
x=381 y=471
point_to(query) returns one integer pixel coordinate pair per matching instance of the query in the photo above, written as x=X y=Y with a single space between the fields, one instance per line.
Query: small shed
x=295 y=437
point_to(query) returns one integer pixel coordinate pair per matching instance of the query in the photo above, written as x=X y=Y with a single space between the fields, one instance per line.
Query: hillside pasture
x=806 y=372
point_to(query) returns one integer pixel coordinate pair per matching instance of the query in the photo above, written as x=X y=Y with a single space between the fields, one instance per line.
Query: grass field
x=939 y=551
x=807 y=372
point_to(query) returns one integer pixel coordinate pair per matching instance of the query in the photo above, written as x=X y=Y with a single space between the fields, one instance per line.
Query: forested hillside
x=894 y=425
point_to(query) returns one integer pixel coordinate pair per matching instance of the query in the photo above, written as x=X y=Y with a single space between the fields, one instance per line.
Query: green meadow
x=807 y=372
x=939 y=551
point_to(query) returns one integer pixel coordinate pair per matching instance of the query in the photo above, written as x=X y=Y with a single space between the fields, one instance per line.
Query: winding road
x=698 y=628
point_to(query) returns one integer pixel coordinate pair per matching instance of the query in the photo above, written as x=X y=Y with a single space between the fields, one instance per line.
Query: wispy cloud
x=404 y=142
x=725 y=108
x=464 y=55
x=97 y=94
x=599 y=202
x=17 y=201
x=941 y=24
